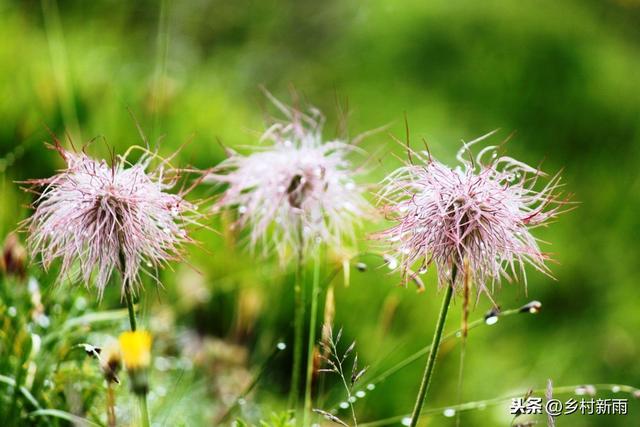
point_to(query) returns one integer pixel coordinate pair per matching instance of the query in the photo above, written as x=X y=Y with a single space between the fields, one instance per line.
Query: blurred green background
x=561 y=75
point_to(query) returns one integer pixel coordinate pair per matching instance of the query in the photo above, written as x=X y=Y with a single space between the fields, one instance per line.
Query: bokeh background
x=562 y=76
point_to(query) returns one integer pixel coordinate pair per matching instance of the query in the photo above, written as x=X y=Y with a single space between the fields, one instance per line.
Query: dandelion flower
x=135 y=347
x=97 y=217
x=481 y=211
x=296 y=190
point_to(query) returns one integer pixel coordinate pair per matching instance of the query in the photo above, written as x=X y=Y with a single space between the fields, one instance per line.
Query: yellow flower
x=136 y=349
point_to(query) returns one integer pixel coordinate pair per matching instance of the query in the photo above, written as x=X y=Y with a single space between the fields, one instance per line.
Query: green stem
x=483 y=404
x=312 y=338
x=144 y=412
x=128 y=294
x=132 y=311
x=435 y=344
x=298 y=324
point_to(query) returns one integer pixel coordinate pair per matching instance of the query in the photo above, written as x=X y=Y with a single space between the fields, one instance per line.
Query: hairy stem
x=312 y=338
x=433 y=354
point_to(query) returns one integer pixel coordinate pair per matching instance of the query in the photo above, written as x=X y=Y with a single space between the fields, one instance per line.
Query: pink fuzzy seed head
x=482 y=212
x=95 y=217
x=294 y=191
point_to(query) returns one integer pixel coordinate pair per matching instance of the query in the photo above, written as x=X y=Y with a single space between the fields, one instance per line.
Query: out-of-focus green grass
x=561 y=75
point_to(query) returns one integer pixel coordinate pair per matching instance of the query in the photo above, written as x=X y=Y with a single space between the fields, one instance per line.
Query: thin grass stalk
x=418 y=354
x=15 y=407
x=381 y=377
x=433 y=354
x=111 y=406
x=465 y=333
x=312 y=337
x=298 y=324
x=483 y=404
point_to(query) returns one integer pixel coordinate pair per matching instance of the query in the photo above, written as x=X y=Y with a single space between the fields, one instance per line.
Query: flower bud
x=14 y=257
x=111 y=361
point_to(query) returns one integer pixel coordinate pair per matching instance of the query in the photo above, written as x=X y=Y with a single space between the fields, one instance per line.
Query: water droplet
x=533 y=307
x=80 y=303
x=242 y=209
x=406 y=421
x=352 y=399
x=586 y=389
x=371 y=386
x=162 y=364
x=615 y=389
x=449 y=412
x=360 y=394
x=43 y=321
x=392 y=263
x=491 y=320
x=33 y=285
x=12 y=311
x=241 y=401
x=344 y=405
x=281 y=346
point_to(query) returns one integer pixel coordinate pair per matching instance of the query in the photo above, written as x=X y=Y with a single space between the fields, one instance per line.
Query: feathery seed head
x=98 y=217
x=481 y=212
x=296 y=190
